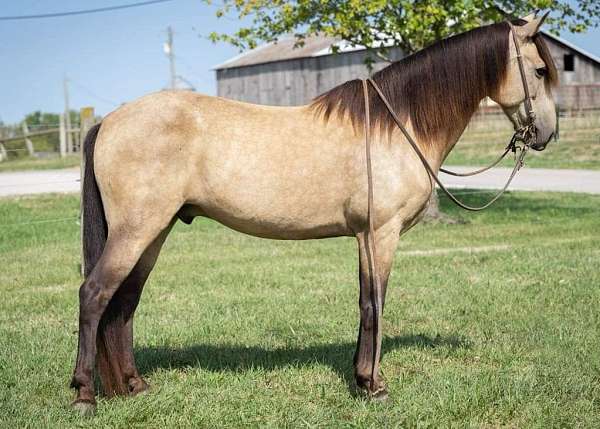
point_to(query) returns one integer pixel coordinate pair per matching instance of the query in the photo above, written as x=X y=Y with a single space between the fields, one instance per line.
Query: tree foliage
x=44 y=120
x=408 y=24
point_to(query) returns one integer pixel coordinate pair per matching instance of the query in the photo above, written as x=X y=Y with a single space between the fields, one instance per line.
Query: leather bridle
x=526 y=134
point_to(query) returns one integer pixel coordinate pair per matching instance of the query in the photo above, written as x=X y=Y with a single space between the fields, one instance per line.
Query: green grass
x=237 y=331
x=578 y=146
x=29 y=163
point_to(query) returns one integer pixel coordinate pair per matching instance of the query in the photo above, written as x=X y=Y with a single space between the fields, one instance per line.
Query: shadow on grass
x=230 y=357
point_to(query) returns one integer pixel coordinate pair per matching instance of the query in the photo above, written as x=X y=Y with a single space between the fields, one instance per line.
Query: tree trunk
x=435 y=215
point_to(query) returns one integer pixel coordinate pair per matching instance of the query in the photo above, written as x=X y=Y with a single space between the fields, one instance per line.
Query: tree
x=408 y=24
x=48 y=120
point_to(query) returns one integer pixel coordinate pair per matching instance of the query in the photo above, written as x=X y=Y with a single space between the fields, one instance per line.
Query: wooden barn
x=280 y=74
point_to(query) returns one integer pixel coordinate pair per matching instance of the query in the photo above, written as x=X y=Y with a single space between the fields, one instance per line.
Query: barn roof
x=316 y=46
x=284 y=49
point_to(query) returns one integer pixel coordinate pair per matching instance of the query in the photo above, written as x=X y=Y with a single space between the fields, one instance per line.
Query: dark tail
x=110 y=330
x=94 y=222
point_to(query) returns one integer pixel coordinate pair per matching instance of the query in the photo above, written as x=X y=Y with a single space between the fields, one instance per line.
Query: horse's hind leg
x=115 y=333
x=124 y=246
x=369 y=345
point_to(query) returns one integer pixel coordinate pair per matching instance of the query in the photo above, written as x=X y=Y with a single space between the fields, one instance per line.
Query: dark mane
x=547 y=58
x=440 y=87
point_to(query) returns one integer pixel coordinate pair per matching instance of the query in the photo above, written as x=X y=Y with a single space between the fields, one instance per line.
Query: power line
x=81 y=12
x=64 y=219
x=93 y=94
x=192 y=70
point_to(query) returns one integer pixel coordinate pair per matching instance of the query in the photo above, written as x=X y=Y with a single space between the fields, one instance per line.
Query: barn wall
x=579 y=89
x=578 y=97
x=294 y=82
x=586 y=71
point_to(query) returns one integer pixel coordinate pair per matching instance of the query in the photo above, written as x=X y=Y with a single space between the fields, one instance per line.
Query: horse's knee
x=366 y=316
x=89 y=300
x=94 y=296
x=117 y=262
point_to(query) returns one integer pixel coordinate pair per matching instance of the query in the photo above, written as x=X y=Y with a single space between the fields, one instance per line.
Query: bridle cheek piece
x=526 y=133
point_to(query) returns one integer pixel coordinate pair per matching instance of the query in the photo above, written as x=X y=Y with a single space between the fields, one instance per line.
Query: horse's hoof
x=84 y=408
x=380 y=395
x=138 y=387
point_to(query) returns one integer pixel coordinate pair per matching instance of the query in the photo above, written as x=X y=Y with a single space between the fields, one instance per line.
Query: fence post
x=62 y=132
x=28 y=142
x=86 y=121
x=3 y=154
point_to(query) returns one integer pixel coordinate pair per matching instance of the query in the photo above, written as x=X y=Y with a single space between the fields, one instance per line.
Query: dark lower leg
x=368 y=344
x=115 y=360
x=93 y=298
x=95 y=322
x=134 y=384
x=128 y=297
x=368 y=348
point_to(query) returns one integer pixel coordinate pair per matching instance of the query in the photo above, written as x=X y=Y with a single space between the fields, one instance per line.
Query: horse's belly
x=289 y=225
x=285 y=189
x=277 y=195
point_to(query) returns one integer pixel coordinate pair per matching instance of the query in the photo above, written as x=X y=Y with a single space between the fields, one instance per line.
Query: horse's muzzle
x=540 y=146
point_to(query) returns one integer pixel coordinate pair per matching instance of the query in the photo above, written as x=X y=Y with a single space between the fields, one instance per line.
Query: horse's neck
x=436 y=151
x=449 y=138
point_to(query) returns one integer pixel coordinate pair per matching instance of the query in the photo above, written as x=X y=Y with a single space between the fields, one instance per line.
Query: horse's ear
x=530 y=16
x=531 y=27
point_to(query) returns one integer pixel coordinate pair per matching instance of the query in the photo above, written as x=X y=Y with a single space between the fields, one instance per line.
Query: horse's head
x=540 y=75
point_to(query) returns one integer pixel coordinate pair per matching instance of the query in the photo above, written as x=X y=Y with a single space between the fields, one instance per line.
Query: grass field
x=493 y=323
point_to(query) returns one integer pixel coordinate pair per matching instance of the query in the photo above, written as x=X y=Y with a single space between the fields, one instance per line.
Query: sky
x=113 y=57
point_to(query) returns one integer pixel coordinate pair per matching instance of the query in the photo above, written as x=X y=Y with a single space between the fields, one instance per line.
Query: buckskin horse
x=289 y=173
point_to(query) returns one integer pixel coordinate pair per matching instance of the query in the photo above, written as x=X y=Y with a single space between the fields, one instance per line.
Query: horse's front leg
x=369 y=341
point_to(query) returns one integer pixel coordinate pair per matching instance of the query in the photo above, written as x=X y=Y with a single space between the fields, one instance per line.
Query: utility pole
x=62 y=133
x=28 y=142
x=168 y=48
x=67 y=117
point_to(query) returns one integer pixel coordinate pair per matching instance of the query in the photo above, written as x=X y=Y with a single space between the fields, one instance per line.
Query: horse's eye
x=541 y=72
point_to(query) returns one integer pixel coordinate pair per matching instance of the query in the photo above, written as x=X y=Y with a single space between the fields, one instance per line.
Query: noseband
x=521 y=140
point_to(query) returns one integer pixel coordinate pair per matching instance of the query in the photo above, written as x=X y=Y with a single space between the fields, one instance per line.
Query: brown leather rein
x=526 y=134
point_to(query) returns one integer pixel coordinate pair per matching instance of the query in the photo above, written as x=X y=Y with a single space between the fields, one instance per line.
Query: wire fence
x=16 y=150
x=42 y=221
